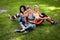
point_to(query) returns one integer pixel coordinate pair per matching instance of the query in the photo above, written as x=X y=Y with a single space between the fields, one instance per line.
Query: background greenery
x=45 y=31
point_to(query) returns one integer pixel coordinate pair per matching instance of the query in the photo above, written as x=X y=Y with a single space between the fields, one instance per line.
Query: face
x=29 y=10
x=36 y=9
x=22 y=9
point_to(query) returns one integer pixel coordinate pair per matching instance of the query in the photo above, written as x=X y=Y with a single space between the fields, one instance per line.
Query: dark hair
x=23 y=7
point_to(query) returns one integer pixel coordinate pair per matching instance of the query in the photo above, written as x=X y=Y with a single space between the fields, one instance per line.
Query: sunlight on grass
x=47 y=31
x=3 y=10
x=53 y=8
x=56 y=0
x=48 y=8
x=19 y=38
x=42 y=5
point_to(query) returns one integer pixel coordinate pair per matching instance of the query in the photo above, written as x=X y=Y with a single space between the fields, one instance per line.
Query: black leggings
x=49 y=20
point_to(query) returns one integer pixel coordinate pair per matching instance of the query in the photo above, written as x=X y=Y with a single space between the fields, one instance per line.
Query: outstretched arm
x=41 y=15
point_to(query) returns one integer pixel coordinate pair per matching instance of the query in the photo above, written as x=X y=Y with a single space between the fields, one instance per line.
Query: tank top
x=30 y=17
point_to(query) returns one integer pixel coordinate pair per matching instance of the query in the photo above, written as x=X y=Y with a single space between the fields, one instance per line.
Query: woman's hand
x=45 y=18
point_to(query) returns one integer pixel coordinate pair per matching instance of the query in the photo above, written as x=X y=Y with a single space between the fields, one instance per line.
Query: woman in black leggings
x=40 y=17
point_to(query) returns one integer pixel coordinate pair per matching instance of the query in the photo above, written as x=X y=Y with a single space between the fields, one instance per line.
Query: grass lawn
x=45 y=31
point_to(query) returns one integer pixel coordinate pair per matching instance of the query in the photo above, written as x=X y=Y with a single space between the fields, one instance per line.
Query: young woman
x=20 y=17
x=41 y=16
x=38 y=16
x=31 y=20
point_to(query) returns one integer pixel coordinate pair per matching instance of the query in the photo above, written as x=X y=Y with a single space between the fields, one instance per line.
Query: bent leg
x=30 y=25
x=22 y=25
x=38 y=22
x=48 y=18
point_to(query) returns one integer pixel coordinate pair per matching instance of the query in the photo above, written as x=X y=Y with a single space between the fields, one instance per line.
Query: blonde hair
x=35 y=6
x=28 y=6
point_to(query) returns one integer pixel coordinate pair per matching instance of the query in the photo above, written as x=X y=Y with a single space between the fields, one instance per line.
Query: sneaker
x=17 y=31
x=25 y=32
x=11 y=17
x=53 y=23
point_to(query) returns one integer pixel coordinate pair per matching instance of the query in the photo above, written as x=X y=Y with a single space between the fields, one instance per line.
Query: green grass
x=45 y=31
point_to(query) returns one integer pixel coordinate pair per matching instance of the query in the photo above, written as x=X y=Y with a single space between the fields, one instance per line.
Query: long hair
x=23 y=7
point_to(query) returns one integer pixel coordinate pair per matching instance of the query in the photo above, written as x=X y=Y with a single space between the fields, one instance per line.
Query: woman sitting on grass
x=41 y=16
x=30 y=23
x=22 y=19
x=19 y=15
x=31 y=20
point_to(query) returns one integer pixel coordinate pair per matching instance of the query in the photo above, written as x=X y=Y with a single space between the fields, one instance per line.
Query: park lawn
x=45 y=31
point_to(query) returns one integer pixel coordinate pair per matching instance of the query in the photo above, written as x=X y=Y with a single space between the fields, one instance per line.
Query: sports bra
x=31 y=17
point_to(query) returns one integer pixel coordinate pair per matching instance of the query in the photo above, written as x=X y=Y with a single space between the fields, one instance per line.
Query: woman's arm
x=43 y=18
x=41 y=15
